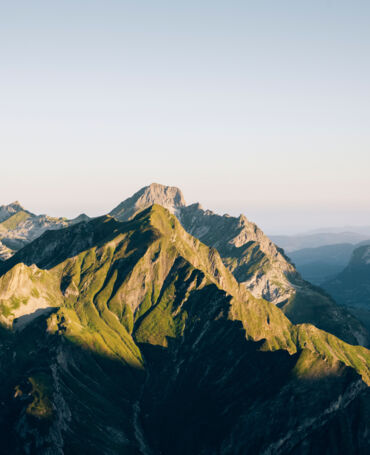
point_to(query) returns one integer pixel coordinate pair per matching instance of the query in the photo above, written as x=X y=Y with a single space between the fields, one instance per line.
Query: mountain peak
x=169 y=197
x=360 y=257
x=6 y=211
x=15 y=204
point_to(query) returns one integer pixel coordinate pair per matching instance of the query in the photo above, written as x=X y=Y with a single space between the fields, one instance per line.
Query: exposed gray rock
x=6 y=211
x=169 y=197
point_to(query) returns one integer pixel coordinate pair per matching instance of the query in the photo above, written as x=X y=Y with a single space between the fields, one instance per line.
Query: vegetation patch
x=41 y=406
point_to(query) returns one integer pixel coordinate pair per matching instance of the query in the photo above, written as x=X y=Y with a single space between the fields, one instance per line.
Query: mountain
x=169 y=197
x=352 y=286
x=321 y=263
x=18 y=227
x=133 y=337
x=6 y=211
x=338 y=229
x=255 y=261
x=298 y=242
x=250 y=255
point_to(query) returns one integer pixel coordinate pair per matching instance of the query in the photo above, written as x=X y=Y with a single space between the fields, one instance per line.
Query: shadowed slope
x=136 y=278
x=352 y=286
x=145 y=297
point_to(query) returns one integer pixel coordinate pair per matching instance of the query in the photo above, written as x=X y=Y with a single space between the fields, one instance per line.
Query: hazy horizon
x=261 y=217
x=260 y=108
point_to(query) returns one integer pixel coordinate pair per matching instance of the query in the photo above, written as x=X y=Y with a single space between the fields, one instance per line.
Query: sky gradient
x=259 y=107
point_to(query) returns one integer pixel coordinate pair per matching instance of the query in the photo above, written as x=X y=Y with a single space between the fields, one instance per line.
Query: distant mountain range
x=363 y=230
x=160 y=329
x=321 y=263
x=302 y=241
x=352 y=285
x=18 y=227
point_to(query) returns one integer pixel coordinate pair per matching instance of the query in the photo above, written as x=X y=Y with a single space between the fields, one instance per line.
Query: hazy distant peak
x=6 y=211
x=81 y=217
x=15 y=204
x=169 y=197
x=164 y=195
x=360 y=256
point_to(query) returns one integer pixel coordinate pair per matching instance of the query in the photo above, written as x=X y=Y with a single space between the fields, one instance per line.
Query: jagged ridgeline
x=18 y=227
x=248 y=253
x=254 y=260
x=146 y=343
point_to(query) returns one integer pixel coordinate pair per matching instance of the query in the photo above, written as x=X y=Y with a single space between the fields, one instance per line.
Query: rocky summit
x=169 y=197
x=141 y=333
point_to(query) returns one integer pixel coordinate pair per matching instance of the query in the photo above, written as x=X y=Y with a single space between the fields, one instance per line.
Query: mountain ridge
x=147 y=321
x=352 y=285
x=18 y=227
x=262 y=267
x=256 y=262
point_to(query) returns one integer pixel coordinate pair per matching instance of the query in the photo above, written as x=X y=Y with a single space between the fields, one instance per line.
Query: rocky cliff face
x=246 y=250
x=151 y=346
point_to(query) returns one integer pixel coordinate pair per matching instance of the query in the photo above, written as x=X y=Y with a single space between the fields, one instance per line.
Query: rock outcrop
x=169 y=197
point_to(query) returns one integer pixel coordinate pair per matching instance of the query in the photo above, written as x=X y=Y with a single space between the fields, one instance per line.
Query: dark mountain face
x=147 y=344
x=352 y=286
x=319 y=264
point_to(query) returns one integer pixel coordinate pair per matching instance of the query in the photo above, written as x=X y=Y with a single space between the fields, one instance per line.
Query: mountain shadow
x=154 y=348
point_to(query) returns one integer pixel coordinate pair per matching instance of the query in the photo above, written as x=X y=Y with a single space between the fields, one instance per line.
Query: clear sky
x=260 y=107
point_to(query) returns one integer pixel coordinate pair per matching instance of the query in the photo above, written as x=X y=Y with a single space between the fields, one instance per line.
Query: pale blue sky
x=260 y=107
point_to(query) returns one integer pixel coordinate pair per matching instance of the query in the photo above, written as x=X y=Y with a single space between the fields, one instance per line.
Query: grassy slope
x=138 y=280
